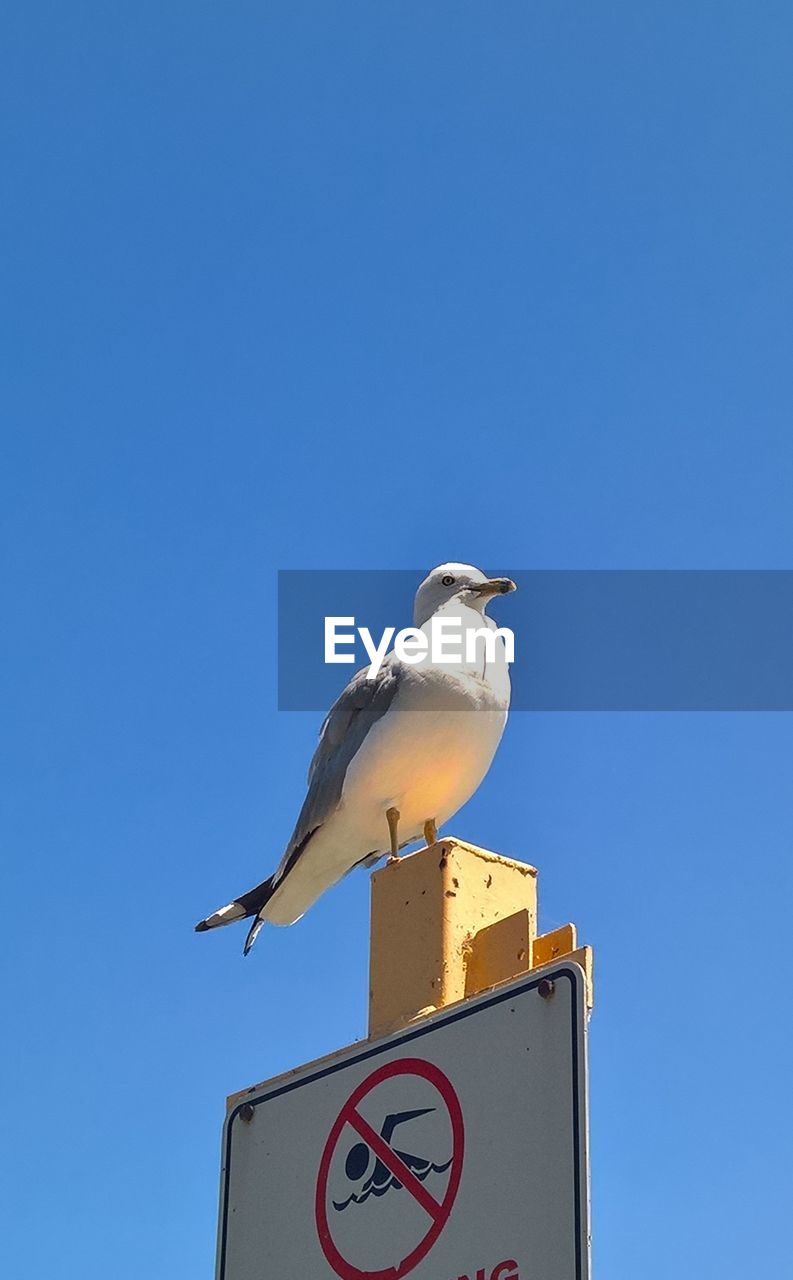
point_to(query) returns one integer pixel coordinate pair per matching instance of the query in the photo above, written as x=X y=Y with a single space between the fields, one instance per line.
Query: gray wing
x=344 y=729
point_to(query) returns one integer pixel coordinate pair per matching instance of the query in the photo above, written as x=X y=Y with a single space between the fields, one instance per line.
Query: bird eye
x=447 y=580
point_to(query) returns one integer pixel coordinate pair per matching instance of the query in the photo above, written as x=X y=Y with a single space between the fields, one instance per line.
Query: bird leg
x=392 y=818
x=430 y=831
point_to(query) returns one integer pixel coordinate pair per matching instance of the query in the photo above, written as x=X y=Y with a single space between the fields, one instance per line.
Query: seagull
x=397 y=756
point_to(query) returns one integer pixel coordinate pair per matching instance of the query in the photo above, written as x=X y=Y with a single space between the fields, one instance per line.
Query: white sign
x=454 y=1150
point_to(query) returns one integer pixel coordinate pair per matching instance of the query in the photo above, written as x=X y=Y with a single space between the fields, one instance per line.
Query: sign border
x=466 y=1009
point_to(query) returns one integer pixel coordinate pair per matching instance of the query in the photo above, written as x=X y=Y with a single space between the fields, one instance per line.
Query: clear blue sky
x=298 y=285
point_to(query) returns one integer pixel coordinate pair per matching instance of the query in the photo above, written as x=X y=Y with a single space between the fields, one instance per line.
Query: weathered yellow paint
x=549 y=946
x=562 y=944
x=498 y=952
x=584 y=956
x=447 y=921
x=450 y=921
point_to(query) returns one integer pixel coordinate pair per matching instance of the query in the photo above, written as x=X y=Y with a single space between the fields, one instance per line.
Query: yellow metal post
x=449 y=921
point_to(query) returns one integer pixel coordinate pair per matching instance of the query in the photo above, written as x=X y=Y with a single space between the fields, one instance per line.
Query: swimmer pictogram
x=382 y=1178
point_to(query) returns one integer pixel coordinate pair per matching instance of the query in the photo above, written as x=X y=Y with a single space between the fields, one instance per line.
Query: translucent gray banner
x=585 y=640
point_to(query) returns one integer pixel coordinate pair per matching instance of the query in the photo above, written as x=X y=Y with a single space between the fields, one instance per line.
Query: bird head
x=461 y=582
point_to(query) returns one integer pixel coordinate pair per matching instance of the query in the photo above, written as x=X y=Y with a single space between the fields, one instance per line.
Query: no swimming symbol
x=372 y=1160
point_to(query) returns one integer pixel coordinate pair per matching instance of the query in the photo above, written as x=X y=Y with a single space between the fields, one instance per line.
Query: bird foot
x=392 y=818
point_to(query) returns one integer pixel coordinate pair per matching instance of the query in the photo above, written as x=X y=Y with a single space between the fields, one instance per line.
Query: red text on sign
x=506 y=1270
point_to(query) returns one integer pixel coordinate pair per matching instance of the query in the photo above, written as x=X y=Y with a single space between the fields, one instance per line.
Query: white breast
x=429 y=753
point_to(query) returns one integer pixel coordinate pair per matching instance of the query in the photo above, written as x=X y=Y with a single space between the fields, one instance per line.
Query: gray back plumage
x=344 y=729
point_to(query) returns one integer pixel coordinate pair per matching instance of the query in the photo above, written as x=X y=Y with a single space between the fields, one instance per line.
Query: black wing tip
x=253 y=934
x=201 y=927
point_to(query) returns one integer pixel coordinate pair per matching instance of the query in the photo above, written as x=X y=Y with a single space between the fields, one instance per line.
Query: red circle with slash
x=437 y=1211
